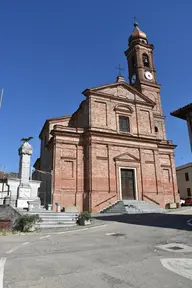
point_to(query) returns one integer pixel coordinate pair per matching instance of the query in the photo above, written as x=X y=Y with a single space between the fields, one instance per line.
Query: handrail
x=151 y=199
x=106 y=200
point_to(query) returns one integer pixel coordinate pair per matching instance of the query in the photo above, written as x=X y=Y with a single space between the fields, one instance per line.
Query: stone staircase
x=133 y=207
x=51 y=219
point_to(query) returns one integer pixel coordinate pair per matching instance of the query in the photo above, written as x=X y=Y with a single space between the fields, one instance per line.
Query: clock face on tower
x=133 y=79
x=148 y=75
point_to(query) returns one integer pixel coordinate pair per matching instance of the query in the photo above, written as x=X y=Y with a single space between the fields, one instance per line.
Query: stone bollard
x=34 y=205
x=49 y=207
x=30 y=205
x=58 y=207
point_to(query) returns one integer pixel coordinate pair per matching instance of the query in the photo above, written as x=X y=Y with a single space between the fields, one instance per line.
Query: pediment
x=128 y=157
x=120 y=90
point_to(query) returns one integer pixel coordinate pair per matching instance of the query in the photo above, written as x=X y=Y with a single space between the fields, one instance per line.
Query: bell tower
x=142 y=73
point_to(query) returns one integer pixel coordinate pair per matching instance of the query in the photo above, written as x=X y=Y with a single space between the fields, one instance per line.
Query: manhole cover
x=175 y=248
x=116 y=234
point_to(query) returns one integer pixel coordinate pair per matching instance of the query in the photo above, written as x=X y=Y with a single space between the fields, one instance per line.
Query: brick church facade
x=114 y=146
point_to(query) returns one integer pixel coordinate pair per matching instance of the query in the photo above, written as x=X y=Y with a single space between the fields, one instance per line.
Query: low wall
x=9 y=213
x=5 y=224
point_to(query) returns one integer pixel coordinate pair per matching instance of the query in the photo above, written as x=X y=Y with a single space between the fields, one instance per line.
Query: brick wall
x=87 y=164
x=69 y=174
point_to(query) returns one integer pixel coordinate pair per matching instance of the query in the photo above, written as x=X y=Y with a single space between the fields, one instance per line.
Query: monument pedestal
x=29 y=204
x=24 y=193
x=34 y=205
x=22 y=203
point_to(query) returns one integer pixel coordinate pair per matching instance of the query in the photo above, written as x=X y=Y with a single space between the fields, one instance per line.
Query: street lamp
x=1 y=97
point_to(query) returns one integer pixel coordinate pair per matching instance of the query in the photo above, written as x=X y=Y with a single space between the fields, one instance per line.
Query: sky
x=52 y=50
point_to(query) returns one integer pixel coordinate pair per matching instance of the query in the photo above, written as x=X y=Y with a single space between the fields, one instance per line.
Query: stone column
x=24 y=189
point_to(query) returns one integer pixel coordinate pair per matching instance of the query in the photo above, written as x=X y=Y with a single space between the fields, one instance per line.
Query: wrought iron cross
x=120 y=69
x=135 y=21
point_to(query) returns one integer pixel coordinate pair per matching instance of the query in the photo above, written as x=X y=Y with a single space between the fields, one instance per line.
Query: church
x=114 y=147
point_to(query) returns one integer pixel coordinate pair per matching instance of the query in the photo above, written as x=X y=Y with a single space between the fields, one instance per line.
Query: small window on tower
x=45 y=141
x=156 y=129
x=133 y=62
x=145 y=60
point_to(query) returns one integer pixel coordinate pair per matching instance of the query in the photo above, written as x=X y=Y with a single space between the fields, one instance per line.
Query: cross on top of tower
x=120 y=69
x=135 y=21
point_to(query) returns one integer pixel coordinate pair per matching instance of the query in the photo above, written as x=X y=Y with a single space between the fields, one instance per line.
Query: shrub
x=26 y=222
x=86 y=215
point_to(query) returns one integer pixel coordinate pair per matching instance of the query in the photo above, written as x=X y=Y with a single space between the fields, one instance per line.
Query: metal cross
x=120 y=69
x=135 y=21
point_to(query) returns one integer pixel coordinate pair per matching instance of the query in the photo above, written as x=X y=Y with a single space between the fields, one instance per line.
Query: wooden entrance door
x=127 y=184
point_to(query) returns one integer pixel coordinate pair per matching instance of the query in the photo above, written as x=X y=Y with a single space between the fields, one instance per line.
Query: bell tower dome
x=140 y=59
x=142 y=73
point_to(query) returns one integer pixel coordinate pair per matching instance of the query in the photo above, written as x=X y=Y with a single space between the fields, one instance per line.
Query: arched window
x=133 y=62
x=156 y=129
x=145 y=60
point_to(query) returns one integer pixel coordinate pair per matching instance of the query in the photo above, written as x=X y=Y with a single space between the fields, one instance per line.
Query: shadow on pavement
x=171 y=221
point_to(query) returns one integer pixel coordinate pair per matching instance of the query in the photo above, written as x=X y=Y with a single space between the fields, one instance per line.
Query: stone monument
x=23 y=191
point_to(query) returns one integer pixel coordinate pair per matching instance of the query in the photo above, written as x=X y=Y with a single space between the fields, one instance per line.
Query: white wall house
x=4 y=189
x=184 y=180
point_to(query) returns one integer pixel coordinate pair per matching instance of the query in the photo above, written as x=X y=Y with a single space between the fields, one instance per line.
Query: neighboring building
x=4 y=188
x=184 y=180
x=114 y=146
x=185 y=113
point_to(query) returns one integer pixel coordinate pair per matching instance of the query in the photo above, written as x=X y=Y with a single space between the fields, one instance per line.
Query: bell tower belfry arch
x=141 y=67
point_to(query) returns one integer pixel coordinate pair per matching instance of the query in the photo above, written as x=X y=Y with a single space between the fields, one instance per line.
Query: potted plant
x=84 y=218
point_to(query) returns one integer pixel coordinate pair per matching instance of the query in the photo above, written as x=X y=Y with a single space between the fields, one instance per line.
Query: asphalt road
x=97 y=258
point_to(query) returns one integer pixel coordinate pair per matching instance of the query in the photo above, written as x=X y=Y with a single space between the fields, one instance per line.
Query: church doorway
x=127 y=183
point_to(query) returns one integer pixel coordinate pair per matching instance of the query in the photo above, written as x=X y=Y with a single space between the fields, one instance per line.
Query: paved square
x=102 y=257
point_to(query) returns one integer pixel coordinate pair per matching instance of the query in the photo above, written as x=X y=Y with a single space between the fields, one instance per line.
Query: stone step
x=117 y=207
x=133 y=207
x=51 y=219
x=58 y=219
x=57 y=222
x=49 y=213
x=140 y=203
x=45 y=225
x=54 y=216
